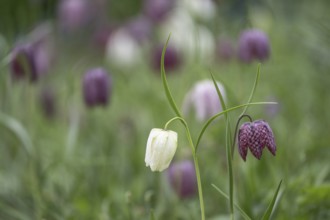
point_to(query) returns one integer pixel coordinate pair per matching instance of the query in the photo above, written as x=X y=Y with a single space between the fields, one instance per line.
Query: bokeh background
x=61 y=158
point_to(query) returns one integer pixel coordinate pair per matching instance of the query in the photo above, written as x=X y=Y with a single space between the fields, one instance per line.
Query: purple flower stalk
x=96 y=87
x=255 y=136
x=182 y=178
x=253 y=45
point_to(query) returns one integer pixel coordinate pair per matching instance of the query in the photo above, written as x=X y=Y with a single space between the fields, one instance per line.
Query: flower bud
x=203 y=97
x=182 y=178
x=22 y=63
x=96 y=87
x=253 y=44
x=255 y=136
x=161 y=147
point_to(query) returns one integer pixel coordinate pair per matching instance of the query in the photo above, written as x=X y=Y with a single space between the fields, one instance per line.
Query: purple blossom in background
x=172 y=59
x=182 y=178
x=255 y=136
x=253 y=45
x=225 y=49
x=96 y=87
x=73 y=14
x=158 y=10
x=140 y=28
x=203 y=98
x=22 y=63
x=48 y=102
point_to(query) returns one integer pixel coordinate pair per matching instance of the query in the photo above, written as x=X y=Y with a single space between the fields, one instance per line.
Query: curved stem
x=173 y=119
x=236 y=128
x=198 y=176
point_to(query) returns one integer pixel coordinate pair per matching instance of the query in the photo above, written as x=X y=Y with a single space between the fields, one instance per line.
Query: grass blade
x=253 y=89
x=270 y=208
x=165 y=84
x=19 y=131
x=244 y=215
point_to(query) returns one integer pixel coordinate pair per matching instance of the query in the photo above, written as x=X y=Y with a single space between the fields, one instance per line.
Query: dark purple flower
x=255 y=136
x=48 y=102
x=172 y=59
x=253 y=44
x=96 y=87
x=182 y=178
x=22 y=63
x=158 y=10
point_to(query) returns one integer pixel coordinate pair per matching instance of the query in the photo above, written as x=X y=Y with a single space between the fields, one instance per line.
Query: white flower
x=122 y=49
x=203 y=97
x=161 y=147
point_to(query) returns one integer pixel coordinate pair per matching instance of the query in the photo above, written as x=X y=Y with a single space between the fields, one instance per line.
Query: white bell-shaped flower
x=161 y=147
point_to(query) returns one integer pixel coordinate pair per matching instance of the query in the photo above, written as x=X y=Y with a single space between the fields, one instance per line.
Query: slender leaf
x=253 y=89
x=223 y=112
x=165 y=84
x=152 y=215
x=270 y=208
x=18 y=130
x=244 y=215
x=230 y=171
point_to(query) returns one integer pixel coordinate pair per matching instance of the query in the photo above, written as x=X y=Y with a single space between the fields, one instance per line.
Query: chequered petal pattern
x=255 y=136
x=243 y=139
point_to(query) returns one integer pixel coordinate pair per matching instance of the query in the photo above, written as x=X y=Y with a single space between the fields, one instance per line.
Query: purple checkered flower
x=96 y=87
x=256 y=136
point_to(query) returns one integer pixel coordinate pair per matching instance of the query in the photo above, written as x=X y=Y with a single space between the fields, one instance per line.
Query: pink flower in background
x=203 y=99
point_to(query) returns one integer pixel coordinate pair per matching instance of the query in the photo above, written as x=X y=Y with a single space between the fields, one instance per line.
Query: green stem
x=173 y=119
x=198 y=176
x=199 y=185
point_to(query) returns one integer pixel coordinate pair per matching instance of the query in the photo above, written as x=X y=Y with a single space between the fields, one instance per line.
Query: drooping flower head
x=182 y=178
x=203 y=98
x=253 y=45
x=22 y=63
x=161 y=147
x=96 y=87
x=255 y=136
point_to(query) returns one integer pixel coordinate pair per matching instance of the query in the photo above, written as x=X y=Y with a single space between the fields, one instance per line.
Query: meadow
x=64 y=158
